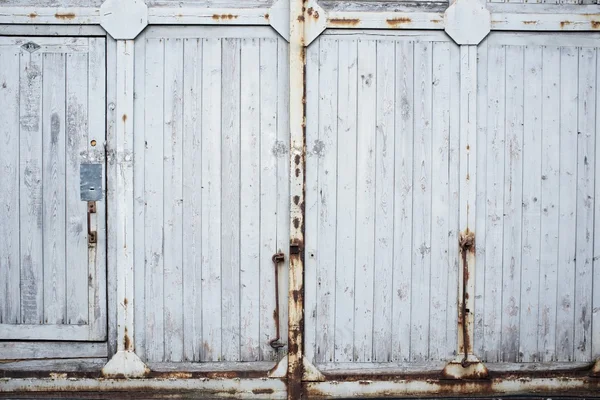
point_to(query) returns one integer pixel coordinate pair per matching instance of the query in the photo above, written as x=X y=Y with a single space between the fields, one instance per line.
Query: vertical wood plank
x=531 y=204
x=595 y=266
x=550 y=202
x=454 y=200
x=496 y=109
x=365 y=201
x=173 y=199
x=421 y=265
x=326 y=152
x=513 y=196
x=403 y=201
x=281 y=151
x=567 y=204
x=31 y=207
x=139 y=203
x=250 y=200
x=268 y=192
x=440 y=202
x=76 y=210
x=54 y=189
x=10 y=288
x=192 y=199
x=346 y=201
x=384 y=202
x=230 y=200
x=481 y=202
x=96 y=127
x=211 y=199
x=586 y=137
x=153 y=190
x=312 y=201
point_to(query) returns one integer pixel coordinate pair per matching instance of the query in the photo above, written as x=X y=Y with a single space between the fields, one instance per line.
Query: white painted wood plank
x=312 y=201
x=10 y=292
x=384 y=201
x=54 y=192
x=41 y=350
x=586 y=161
x=365 y=201
x=211 y=199
x=139 y=196
x=481 y=200
x=76 y=210
x=454 y=201
x=283 y=183
x=513 y=196
x=46 y=332
x=111 y=183
x=403 y=201
x=326 y=152
x=153 y=194
x=268 y=193
x=496 y=107
x=440 y=201
x=173 y=199
x=230 y=200
x=550 y=202
x=192 y=199
x=346 y=201
x=97 y=259
x=531 y=204
x=421 y=263
x=250 y=200
x=565 y=318
x=596 y=269
x=31 y=235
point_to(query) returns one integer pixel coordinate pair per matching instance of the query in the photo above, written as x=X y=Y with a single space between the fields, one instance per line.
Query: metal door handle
x=92 y=235
x=275 y=342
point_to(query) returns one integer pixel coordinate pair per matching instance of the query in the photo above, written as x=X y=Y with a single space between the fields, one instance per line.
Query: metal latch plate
x=90 y=182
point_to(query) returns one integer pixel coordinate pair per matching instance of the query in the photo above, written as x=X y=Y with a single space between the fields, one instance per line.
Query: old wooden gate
x=300 y=198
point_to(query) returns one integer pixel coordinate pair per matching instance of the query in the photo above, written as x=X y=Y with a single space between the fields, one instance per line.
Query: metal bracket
x=276 y=341
x=90 y=182
x=92 y=234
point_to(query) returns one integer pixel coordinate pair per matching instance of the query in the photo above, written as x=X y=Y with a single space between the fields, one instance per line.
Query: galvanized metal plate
x=90 y=186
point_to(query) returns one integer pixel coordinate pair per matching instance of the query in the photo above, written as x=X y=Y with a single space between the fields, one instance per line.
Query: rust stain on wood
x=267 y=17
x=564 y=23
x=595 y=24
x=398 y=21
x=530 y=22
x=64 y=16
x=344 y=21
x=33 y=15
x=223 y=17
x=124 y=118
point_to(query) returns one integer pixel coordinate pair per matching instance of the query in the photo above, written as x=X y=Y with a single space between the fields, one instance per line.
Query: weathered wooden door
x=52 y=113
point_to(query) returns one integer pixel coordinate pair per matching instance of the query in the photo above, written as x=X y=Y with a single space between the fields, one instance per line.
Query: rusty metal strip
x=297 y=54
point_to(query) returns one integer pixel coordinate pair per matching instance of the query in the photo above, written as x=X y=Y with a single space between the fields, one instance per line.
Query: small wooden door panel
x=52 y=108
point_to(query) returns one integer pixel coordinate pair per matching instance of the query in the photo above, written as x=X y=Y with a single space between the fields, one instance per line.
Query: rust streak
x=595 y=24
x=223 y=17
x=437 y=21
x=124 y=118
x=65 y=16
x=301 y=18
x=33 y=15
x=267 y=16
x=398 y=21
x=263 y=391
x=343 y=21
x=530 y=22
x=564 y=23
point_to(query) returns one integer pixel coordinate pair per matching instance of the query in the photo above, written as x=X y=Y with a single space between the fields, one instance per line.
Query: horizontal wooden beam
x=50 y=15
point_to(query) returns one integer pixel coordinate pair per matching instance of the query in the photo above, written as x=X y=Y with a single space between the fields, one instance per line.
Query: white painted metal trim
x=238 y=388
